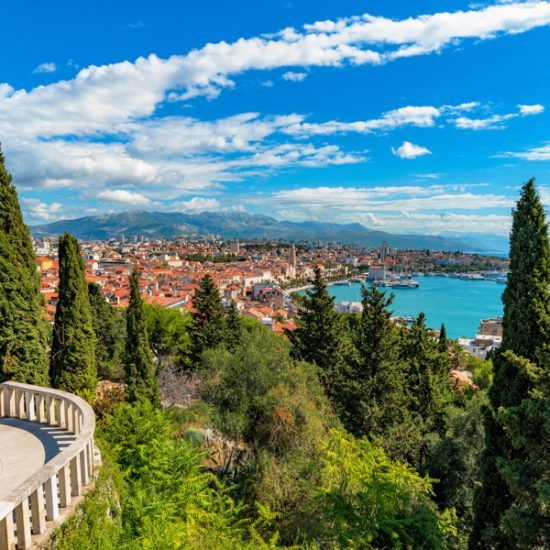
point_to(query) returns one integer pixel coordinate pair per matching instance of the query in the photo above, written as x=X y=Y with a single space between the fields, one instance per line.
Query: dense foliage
x=140 y=372
x=109 y=327
x=73 y=357
x=209 y=322
x=513 y=502
x=348 y=432
x=23 y=332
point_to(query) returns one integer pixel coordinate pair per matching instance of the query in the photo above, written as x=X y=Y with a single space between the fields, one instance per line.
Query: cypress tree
x=109 y=327
x=23 y=330
x=209 y=324
x=234 y=327
x=508 y=468
x=141 y=380
x=73 y=362
x=443 y=343
x=318 y=337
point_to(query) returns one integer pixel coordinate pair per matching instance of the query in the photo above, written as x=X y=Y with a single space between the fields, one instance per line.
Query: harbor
x=458 y=302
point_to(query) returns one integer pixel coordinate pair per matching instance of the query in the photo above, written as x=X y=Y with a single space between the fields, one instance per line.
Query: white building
x=377 y=273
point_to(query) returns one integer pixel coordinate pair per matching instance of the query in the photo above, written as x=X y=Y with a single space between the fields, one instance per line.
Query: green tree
x=141 y=380
x=234 y=327
x=443 y=343
x=453 y=459
x=509 y=461
x=73 y=359
x=527 y=425
x=23 y=330
x=319 y=337
x=109 y=327
x=169 y=337
x=428 y=380
x=368 y=501
x=374 y=399
x=209 y=327
x=526 y=320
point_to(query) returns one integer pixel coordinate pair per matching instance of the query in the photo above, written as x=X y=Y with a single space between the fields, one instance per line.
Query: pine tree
x=234 y=327
x=318 y=337
x=374 y=402
x=140 y=375
x=443 y=344
x=73 y=362
x=23 y=330
x=109 y=327
x=209 y=324
x=509 y=475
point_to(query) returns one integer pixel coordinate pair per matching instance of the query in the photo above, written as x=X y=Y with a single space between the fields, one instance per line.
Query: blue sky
x=420 y=116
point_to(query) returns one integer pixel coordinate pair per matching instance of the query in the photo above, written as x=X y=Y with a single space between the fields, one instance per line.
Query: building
x=349 y=307
x=377 y=273
x=383 y=251
x=292 y=256
x=491 y=327
x=235 y=247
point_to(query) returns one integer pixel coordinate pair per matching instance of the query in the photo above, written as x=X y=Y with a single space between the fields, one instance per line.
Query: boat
x=399 y=284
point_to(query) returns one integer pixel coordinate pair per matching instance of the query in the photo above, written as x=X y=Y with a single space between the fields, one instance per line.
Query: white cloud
x=45 y=68
x=294 y=77
x=531 y=109
x=540 y=153
x=123 y=196
x=387 y=199
x=449 y=207
x=102 y=96
x=409 y=150
x=421 y=116
x=38 y=211
x=197 y=204
x=59 y=135
x=494 y=122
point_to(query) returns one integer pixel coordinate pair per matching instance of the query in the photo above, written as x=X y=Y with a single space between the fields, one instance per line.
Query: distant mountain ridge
x=239 y=225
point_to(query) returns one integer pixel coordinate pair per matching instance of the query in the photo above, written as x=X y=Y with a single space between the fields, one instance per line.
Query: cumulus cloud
x=123 y=196
x=409 y=150
x=39 y=211
x=95 y=130
x=531 y=109
x=294 y=77
x=45 y=68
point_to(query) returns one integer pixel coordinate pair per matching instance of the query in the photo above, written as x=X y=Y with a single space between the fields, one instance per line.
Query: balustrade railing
x=24 y=513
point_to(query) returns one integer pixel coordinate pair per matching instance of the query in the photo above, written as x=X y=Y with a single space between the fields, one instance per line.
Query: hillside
x=238 y=225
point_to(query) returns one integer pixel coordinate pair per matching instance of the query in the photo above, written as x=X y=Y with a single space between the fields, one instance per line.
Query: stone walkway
x=24 y=448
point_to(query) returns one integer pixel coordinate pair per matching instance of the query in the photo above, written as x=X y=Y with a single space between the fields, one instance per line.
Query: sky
x=409 y=117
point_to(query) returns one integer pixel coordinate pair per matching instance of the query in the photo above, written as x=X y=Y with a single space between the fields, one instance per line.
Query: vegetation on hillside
x=347 y=433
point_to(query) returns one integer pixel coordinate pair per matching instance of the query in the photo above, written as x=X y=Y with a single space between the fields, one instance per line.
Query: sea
x=460 y=304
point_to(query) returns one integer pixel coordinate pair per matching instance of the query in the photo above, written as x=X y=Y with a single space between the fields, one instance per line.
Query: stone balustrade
x=26 y=511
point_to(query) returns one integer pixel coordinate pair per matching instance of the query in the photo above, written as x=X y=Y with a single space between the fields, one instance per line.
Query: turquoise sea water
x=457 y=303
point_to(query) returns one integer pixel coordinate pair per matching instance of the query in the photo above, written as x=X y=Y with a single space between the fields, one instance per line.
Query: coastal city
x=260 y=277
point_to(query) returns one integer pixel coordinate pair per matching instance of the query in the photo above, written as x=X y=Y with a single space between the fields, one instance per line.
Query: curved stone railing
x=25 y=511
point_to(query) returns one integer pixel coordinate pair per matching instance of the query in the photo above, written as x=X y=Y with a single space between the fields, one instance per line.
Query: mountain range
x=241 y=225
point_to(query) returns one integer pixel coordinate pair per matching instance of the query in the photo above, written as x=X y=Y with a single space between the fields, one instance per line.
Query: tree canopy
x=23 y=329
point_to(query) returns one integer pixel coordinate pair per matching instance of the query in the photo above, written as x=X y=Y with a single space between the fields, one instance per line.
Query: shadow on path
x=25 y=447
